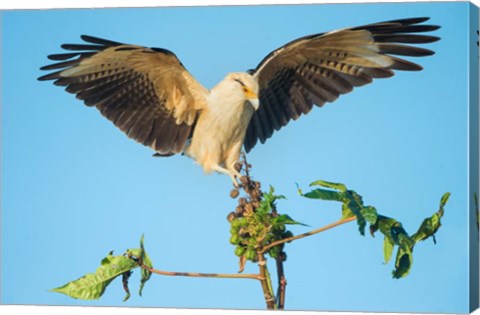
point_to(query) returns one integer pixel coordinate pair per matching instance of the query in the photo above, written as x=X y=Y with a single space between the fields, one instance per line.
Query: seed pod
x=252 y=242
x=235 y=224
x=239 y=210
x=242 y=201
x=243 y=222
x=234 y=193
x=231 y=216
x=239 y=250
x=250 y=254
x=287 y=234
x=238 y=166
x=274 y=252
x=244 y=180
x=233 y=230
x=234 y=239
x=259 y=228
x=243 y=233
x=270 y=238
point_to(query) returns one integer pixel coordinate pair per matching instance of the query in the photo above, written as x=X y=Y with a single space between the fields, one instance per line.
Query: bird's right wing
x=146 y=92
x=317 y=69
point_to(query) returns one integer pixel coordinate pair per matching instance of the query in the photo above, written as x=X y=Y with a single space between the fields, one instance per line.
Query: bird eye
x=246 y=90
x=240 y=82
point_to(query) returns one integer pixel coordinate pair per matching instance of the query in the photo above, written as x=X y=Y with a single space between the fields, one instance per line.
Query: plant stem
x=282 y=284
x=266 y=283
x=313 y=232
x=204 y=275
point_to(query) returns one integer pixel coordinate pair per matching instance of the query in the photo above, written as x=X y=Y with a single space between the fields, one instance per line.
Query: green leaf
x=400 y=237
x=125 y=277
x=403 y=263
x=336 y=186
x=106 y=260
x=361 y=224
x=384 y=224
x=370 y=214
x=147 y=262
x=127 y=296
x=284 y=219
x=394 y=233
x=141 y=256
x=324 y=194
x=387 y=248
x=346 y=212
x=404 y=259
x=353 y=206
x=428 y=228
x=267 y=203
x=444 y=200
x=93 y=285
x=430 y=225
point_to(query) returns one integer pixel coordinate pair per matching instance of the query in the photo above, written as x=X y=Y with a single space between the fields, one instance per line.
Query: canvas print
x=287 y=157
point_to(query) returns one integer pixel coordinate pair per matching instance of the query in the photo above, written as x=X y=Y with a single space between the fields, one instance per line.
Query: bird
x=149 y=94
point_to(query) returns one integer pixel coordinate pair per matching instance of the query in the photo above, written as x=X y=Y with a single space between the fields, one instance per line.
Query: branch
x=265 y=282
x=313 y=232
x=204 y=275
x=282 y=284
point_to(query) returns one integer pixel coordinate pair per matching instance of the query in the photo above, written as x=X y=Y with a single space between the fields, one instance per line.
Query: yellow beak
x=255 y=102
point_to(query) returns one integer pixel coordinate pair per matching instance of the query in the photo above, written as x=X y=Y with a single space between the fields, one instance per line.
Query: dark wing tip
x=409 y=21
x=82 y=47
x=163 y=50
x=434 y=27
x=408 y=25
x=99 y=41
x=93 y=43
x=49 y=76
x=47 y=67
x=249 y=144
x=58 y=57
x=431 y=39
x=91 y=46
x=390 y=38
x=392 y=34
x=404 y=50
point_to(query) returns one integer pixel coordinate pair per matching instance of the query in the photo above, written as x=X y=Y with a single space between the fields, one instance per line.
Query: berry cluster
x=255 y=223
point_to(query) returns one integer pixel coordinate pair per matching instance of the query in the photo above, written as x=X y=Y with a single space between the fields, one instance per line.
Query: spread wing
x=317 y=69
x=146 y=92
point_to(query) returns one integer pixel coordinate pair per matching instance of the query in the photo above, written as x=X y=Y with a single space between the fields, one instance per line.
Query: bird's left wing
x=146 y=92
x=317 y=69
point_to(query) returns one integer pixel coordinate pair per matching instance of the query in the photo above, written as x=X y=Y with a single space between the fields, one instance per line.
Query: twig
x=319 y=230
x=204 y=275
x=245 y=163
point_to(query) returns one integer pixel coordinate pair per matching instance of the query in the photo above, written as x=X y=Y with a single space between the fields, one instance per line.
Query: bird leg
x=232 y=173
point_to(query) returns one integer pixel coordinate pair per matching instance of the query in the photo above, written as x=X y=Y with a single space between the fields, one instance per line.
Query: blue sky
x=74 y=187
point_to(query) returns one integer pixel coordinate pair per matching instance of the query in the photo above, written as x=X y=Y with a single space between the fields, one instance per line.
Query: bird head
x=245 y=86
